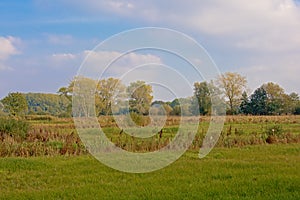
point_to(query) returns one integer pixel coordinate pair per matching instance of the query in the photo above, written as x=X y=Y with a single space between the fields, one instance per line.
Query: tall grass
x=38 y=137
x=13 y=127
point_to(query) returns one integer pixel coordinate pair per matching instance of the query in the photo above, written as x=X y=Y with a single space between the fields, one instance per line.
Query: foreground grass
x=251 y=172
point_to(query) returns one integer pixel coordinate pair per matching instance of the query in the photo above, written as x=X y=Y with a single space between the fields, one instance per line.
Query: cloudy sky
x=43 y=42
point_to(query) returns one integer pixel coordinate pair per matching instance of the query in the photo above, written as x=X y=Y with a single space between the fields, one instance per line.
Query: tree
x=294 y=102
x=202 y=99
x=297 y=110
x=109 y=92
x=233 y=85
x=53 y=104
x=140 y=97
x=15 y=104
x=161 y=108
x=105 y=91
x=67 y=93
x=258 y=102
x=270 y=99
x=174 y=103
x=245 y=104
x=276 y=98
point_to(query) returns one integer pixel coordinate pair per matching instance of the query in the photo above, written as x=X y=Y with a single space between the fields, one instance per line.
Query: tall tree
x=67 y=93
x=276 y=98
x=140 y=97
x=109 y=91
x=15 y=104
x=258 y=102
x=294 y=102
x=202 y=100
x=233 y=85
x=245 y=104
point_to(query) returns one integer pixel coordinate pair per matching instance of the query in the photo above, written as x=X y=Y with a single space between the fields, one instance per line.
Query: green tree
x=109 y=91
x=140 y=97
x=176 y=109
x=162 y=108
x=67 y=93
x=202 y=99
x=182 y=106
x=245 y=104
x=276 y=98
x=174 y=103
x=295 y=103
x=53 y=104
x=258 y=102
x=15 y=104
x=297 y=109
x=233 y=85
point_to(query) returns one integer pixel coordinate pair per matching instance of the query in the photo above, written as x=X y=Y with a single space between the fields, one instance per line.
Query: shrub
x=274 y=130
x=273 y=133
x=13 y=127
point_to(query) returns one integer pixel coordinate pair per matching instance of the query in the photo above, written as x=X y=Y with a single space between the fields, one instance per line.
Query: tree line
x=113 y=97
x=269 y=99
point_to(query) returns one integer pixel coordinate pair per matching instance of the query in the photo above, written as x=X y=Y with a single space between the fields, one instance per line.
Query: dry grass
x=59 y=136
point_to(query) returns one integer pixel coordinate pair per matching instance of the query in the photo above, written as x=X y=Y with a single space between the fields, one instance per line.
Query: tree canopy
x=140 y=97
x=15 y=104
x=233 y=85
x=111 y=96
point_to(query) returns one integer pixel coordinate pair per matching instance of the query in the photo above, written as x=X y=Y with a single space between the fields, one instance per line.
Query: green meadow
x=256 y=157
x=270 y=171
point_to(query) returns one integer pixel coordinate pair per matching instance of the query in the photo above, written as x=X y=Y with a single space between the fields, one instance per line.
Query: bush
x=273 y=133
x=13 y=127
x=274 y=130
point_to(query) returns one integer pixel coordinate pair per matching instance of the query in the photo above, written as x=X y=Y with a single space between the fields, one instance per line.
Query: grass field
x=249 y=172
x=256 y=157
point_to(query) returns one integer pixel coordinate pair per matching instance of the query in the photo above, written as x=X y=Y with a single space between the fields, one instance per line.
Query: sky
x=44 y=42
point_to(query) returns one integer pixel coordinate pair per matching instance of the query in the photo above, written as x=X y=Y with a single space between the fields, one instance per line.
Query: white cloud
x=63 y=57
x=7 y=49
x=96 y=61
x=64 y=60
x=136 y=66
x=121 y=63
x=268 y=25
x=262 y=29
x=257 y=37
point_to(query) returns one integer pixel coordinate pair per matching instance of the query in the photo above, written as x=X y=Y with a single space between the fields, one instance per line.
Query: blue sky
x=43 y=42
